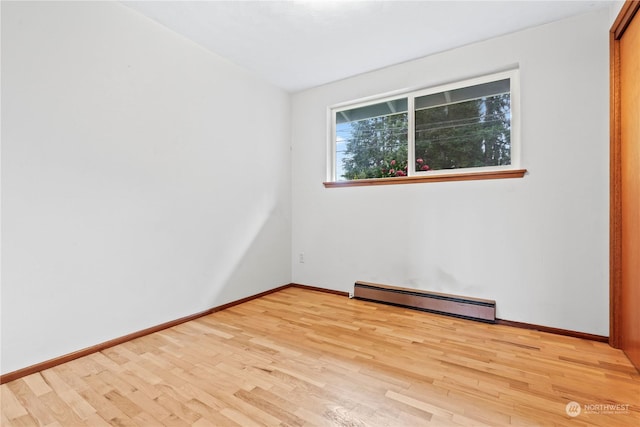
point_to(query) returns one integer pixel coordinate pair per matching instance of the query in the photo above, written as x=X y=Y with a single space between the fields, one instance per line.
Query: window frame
x=512 y=170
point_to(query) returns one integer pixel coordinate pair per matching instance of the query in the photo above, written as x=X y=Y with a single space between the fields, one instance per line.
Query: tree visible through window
x=373 y=140
x=460 y=127
x=470 y=133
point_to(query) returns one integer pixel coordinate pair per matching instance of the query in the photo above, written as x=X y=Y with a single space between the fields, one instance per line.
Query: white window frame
x=514 y=77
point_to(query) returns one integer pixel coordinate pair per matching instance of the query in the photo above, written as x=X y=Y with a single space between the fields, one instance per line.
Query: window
x=466 y=127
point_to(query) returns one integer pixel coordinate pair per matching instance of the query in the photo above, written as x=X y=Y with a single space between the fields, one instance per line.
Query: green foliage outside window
x=465 y=135
x=377 y=148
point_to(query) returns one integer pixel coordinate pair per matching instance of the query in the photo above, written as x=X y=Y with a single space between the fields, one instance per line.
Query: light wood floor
x=299 y=357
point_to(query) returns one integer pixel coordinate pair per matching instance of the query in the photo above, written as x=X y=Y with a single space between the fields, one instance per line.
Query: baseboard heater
x=451 y=305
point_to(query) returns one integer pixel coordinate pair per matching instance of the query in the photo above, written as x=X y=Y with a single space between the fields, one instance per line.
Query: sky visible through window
x=343 y=133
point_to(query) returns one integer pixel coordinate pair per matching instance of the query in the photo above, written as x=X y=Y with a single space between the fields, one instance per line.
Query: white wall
x=537 y=245
x=614 y=10
x=143 y=178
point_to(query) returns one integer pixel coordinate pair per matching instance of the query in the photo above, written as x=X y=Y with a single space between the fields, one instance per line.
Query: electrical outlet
x=301 y=258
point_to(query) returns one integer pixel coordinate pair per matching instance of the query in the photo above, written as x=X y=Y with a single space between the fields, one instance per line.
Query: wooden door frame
x=628 y=11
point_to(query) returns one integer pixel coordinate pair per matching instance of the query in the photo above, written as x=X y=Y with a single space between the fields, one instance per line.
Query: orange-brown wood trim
x=557 y=331
x=468 y=176
x=325 y=290
x=628 y=11
x=615 y=193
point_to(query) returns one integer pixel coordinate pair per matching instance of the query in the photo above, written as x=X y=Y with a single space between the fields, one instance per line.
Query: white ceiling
x=301 y=44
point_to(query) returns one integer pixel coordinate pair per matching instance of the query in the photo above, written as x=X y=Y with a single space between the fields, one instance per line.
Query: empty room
x=320 y=213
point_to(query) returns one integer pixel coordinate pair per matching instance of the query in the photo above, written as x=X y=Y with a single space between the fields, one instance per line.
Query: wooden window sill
x=463 y=176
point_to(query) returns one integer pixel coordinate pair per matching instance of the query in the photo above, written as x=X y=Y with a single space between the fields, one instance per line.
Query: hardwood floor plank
x=239 y=418
x=11 y=406
x=62 y=412
x=37 y=408
x=176 y=408
x=37 y=384
x=298 y=357
x=286 y=418
x=24 y=420
x=104 y=407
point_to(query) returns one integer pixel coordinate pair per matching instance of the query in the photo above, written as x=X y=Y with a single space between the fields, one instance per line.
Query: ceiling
x=301 y=44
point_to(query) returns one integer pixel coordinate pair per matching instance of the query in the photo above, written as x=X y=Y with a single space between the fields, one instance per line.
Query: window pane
x=371 y=111
x=463 y=94
x=464 y=128
x=371 y=141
